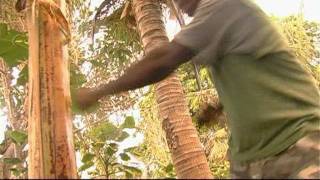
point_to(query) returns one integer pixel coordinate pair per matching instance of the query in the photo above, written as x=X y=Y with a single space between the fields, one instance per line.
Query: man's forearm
x=149 y=70
x=154 y=67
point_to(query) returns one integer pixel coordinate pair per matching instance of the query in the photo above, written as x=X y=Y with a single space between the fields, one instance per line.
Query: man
x=271 y=101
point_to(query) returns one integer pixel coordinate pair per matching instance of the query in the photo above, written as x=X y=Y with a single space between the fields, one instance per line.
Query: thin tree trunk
x=5 y=80
x=13 y=120
x=6 y=167
x=51 y=151
x=186 y=150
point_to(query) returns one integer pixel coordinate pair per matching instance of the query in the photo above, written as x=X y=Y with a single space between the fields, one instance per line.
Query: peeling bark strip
x=51 y=151
x=186 y=150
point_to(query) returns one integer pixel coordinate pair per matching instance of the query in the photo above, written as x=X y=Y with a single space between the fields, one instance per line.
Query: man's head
x=187 y=6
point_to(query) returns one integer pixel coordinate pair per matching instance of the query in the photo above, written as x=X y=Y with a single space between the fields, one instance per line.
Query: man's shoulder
x=208 y=7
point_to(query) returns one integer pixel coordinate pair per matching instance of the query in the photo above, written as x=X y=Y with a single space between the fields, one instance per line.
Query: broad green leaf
x=13 y=45
x=87 y=157
x=105 y=131
x=124 y=135
x=18 y=137
x=128 y=123
x=86 y=166
x=125 y=156
x=12 y=161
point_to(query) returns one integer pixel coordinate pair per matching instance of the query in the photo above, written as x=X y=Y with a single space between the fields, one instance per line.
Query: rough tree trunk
x=187 y=152
x=51 y=151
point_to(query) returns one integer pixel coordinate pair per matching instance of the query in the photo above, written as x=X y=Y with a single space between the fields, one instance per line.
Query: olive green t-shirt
x=270 y=99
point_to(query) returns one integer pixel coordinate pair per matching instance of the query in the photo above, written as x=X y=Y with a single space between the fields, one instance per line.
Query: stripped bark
x=51 y=151
x=186 y=150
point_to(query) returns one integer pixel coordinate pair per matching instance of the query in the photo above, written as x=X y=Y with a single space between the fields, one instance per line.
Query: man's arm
x=154 y=67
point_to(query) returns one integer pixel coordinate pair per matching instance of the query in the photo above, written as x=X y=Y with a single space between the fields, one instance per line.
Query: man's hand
x=85 y=98
x=209 y=113
x=21 y=5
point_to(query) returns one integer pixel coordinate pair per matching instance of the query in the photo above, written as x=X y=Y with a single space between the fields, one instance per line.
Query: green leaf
x=15 y=171
x=18 y=171
x=23 y=76
x=18 y=137
x=114 y=146
x=13 y=45
x=124 y=135
x=86 y=166
x=132 y=169
x=98 y=145
x=131 y=149
x=169 y=168
x=87 y=157
x=128 y=123
x=129 y=175
x=110 y=151
x=12 y=161
x=105 y=131
x=136 y=151
x=125 y=156
x=77 y=78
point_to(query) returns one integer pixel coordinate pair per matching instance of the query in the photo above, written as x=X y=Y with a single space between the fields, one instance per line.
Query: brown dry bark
x=182 y=138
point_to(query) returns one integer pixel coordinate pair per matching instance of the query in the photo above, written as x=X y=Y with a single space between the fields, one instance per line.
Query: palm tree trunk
x=186 y=150
x=51 y=151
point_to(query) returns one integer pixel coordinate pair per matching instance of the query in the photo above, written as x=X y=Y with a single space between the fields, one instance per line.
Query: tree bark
x=186 y=150
x=51 y=151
